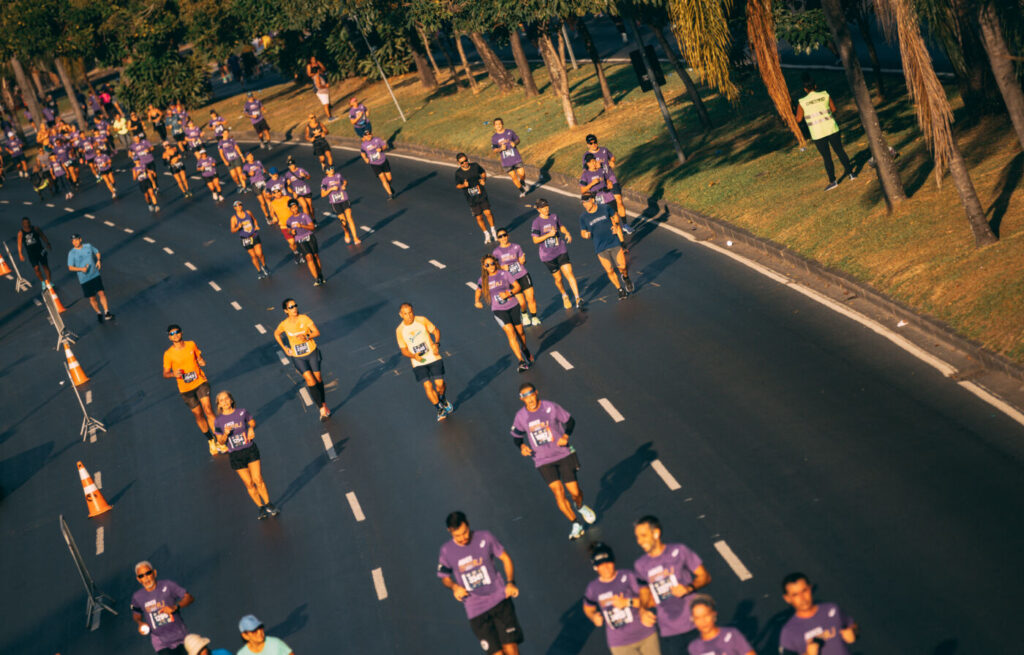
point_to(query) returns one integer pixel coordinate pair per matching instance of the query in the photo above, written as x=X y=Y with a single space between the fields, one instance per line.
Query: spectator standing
x=817 y=108
x=257 y=641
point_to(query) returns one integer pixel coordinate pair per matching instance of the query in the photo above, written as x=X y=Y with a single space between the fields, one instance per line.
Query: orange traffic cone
x=78 y=376
x=93 y=498
x=4 y=268
x=56 y=300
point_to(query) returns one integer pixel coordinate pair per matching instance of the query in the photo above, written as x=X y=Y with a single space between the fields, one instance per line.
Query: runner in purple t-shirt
x=499 y=288
x=334 y=188
x=104 y=166
x=548 y=233
x=503 y=143
x=156 y=609
x=372 y=151
x=256 y=174
x=814 y=629
x=613 y=601
x=669 y=573
x=232 y=157
x=207 y=167
x=193 y=136
x=301 y=226
x=59 y=175
x=244 y=224
x=141 y=175
x=606 y=160
x=359 y=116
x=540 y=430
x=253 y=108
x=713 y=640
x=511 y=258
x=16 y=149
x=298 y=183
x=235 y=428
x=466 y=566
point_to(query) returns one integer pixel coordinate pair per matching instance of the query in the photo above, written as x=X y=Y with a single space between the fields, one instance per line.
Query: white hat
x=194 y=643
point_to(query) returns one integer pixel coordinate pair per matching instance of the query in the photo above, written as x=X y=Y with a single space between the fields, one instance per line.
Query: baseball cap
x=194 y=643
x=541 y=203
x=589 y=157
x=601 y=553
x=76 y=235
x=272 y=170
x=237 y=203
x=591 y=138
x=249 y=623
x=293 y=203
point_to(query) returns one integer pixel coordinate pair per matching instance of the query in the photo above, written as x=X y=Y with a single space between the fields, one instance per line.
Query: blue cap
x=272 y=170
x=249 y=623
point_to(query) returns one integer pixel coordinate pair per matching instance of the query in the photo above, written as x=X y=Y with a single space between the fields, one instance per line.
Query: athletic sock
x=323 y=394
x=442 y=398
x=209 y=435
x=318 y=396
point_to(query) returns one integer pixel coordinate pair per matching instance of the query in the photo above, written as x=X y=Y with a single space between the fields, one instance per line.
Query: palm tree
x=1002 y=67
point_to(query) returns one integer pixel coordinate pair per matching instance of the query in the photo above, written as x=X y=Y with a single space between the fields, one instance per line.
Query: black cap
x=589 y=157
x=541 y=203
x=76 y=235
x=329 y=167
x=591 y=138
x=600 y=553
x=293 y=203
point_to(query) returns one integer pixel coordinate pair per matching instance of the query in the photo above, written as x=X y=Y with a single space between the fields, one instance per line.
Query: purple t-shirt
x=218 y=124
x=61 y=151
x=140 y=172
x=550 y=247
x=14 y=146
x=729 y=641
x=193 y=135
x=542 y=429
x=103 y=162
x=508 y=257
x=297 y=180
x=622 y=626
x=236 y=424
x=88 y=152
x=57 y=169
x=508 y=154
x=140 y=152
x=675 y=566
x=603 y=155
x=603 y=189
x=472 y=567
x=826 y=623
x=499 y=282
x=207 y=166
x=166 y=630
x=362 y=119
x=300 y=233
x=332 y=185
x=275 y=183
x=255 y=171
x=229 y=149
x=254 y=110
x=374 y=149
x=102 y=126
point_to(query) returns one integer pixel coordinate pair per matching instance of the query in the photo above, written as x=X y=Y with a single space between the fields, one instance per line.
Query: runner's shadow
x=553 y=335
x=270 y=407
x=116 y=497
x=257 y=357
x=743 y=619
x=519 y=220
x=619 y=478
x=310 y=471
x=369 y=377
x=387 y=219
x=418 y=181
x=340 y=326
x=295 y=621
x=767 y=640
x=595 y=287
x=575 y=631
x=482 y=379
x=655 y=268
x=348 y=162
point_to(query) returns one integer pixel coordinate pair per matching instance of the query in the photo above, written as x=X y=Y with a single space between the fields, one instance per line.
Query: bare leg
x=513 y=341
x=428 y=387
x=250 y=486
x=563 y=503
x=567 y=272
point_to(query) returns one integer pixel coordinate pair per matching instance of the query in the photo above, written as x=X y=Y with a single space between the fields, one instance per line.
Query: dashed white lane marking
x=434 y=262
x=149 y=239
x=194 y=177
x=378 y=583
x=100 y=547
x=88 y=396
x=400 y=245
x=129 y=230
x=666 y=477
x=364 y=228
x=742 y=572
x=28 y=202
x=283 y=357
x=610 y=408
x=4 y=202
x=471 y=285
x=190 y=266
x=306 y=398
x=353 y=502
x=329 y=214
x=109 y=223
x=49 y=204
x=213 y=285
x=261 y=329
x=562 y=361
x=98 y=479
x=329 y=445
x=34 y=300
x=234 y=303
x=168 y=250
x=90 y=216
x=69 y=210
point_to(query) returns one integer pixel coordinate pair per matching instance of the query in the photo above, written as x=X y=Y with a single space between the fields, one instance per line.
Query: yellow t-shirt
x=184 y=362
x=417 y=338
x=279 y=207
x=296 y=329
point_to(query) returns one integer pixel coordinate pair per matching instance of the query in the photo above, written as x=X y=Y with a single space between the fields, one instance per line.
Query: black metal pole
x=632 y=25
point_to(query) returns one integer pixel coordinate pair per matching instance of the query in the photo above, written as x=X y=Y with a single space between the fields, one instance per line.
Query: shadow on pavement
x=575 y=631
x=483 y=378
x=618 y=479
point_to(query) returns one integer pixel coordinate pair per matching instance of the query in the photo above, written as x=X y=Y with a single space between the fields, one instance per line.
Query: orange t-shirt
x=279 y=207
x=295 y=329
x=185 y=359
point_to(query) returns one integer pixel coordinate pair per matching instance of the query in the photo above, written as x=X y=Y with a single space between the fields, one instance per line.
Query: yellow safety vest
x=819 y=117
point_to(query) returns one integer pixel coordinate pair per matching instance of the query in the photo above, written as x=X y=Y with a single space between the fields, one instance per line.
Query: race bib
x=508 y=153
x=476 y=578
x=247 y=241
x=618 y=617
x=541 y=435
x=420 y=349
x=375 y=156
x=301 y=348
x=473 y=190
x=303 y=239
x=191 y=376
x=514 y=267
x=336 y=197
x=231 y=155
x=236 y=441
x=662 y=587
x=158 y=618
x=551 y=242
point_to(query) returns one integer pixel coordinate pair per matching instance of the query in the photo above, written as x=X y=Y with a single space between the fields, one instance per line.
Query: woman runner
x=500 y=288
x=302 y=348
x=298 y=183
x=172 y=158
x=235 y=428
x=207 y=167
x=141 y=175
x=316 y=133
x=104 y=166
x=511 y=258
x=256 y=174
x=334 y=188
x=244 y=223
x=156 y=119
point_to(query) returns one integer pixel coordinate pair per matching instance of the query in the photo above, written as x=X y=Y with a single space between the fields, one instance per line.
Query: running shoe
x=487 y=237
x=391 y=196
x=535 y=320
x=577 y=531
x=156 y=208
x=629 y=284
x=627 y=228
x=260 y=275
x=448 y=407
x=622 y=293
x=266 y=273
x=317 y=282
x=588 y=514
x=852 y=177
x=494 y=233
x=150 y=208
x=831 y=185
x=348 y=239
x=99 y=318
x=441 y=414
x=522 y=192
x=263 y=513
x=108 y=316
x=213 y=446
x=579 y=303
x=526 y=320
x=523 y=366
x=566 y=302
x=271 y=509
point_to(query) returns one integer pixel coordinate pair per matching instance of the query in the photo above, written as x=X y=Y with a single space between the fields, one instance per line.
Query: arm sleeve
x=443 y=570
x=570 y=425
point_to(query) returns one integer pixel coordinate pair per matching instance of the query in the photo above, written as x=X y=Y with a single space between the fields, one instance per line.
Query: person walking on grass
x=818 y=109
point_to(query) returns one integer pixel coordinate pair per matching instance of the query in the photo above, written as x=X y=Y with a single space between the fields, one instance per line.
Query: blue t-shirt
x=84 y=256
x=599 y=224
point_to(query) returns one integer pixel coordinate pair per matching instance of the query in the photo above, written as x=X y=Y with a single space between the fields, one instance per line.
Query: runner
x=16 y=149
x=281 y=212
x=87 y=154
x=547 y=233
x=84 y=259
x=600 y=181
x=235 y=429
x=244 y=223
x=714 y=640
x=613 y=601
x=600 y=222
x=511 y=258
x=59 y=175
x=141 y=150
x=136 y=126
x=372 y=151
x=499 y=287
x=177 y=128
x=193 y=136
x=298 y=183
x=104 y=130
x=105 y=167
x=253 y=108
x=466 y=566
x=503 y=143
x=302 y=225
x=39 y=177
x=184 y=362
x=302 y=348
x=334 y=187
x=814 y=628
x=323 y=91
x=141 y=175
x=207 y=167
x=156 y=119
x=316 y=133
x=359 y=116
x=218 y=124
x=471 y=178
x=172 y=158
x=231 y=155
x=257 y=178
x=256 y=640
x=32 y=241
x=420 y=341
x=541 y=430
x=603 y=155
x=156 y=609
x=669 y=573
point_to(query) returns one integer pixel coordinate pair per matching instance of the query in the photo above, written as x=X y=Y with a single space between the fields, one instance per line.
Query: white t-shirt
x=418 y=340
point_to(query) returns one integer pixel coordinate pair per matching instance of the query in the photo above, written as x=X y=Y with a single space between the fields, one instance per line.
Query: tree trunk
x=450 y=62
x=69 y=89
x=595 y=57
x=876 y=64
x=495 y=69
x=977 y=85
x=983 y=234
x=27 y=94
x=426 y=48
x=11 y=105
x=465 y=64
x=691 y=88
x=556 y=70
x=38 y=82
x=1002 y=69
x=888 y=174
x=568 y=46
x=424 y=71
x=529 y=85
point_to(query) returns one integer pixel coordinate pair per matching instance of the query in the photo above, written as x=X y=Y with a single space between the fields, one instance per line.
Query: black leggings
x=836 y=142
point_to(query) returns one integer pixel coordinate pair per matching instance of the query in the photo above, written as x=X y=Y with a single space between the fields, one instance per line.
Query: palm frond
x=765 y=46
x=702 y=30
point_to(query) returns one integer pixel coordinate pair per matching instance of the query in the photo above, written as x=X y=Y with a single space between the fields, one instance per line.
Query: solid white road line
x=100 y=547
x=304 y=392
x=436 y=263
x=665 y=476
x=168 y=250
x=993 y=400
x=261 y=329
x=378 y=583
x=329 y=446
x=213 y=285
x=562 y=361
x=149 y=239
x=400 y=245
x=471 y=285
x=109 y=223
x=190 y=266
x=742 y=572
x=88 y=396
x=129 y=230
x=353 y=502
x=97 y=477
x=610 y=408
x=234 y=303
x=283 y=357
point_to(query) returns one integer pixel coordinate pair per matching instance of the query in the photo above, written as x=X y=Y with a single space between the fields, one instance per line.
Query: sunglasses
x=502 y=236
x=174 y=332
x=490 y=265
x=144 y=574
x=291 y=307
x=463 y=161
x=527 y=394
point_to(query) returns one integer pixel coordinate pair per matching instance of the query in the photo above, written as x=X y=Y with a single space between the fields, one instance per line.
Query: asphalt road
x=799 y=439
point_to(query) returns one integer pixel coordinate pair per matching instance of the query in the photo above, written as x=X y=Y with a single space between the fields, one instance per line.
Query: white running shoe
x=577 y=531
x=487 y=237
x=588 y=515
x=535 y=320
x=494 y=233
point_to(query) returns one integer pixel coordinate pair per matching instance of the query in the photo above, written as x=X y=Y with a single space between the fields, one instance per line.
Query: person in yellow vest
x=817 y=108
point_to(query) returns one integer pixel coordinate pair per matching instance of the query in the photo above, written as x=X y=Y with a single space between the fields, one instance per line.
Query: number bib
x=618 y=618
x=551 y=242
x=191 y=376
x=473 y=190
x=236 y=441
x=508 y=153
x=419 y=349
x=514 y=267
x=247 y=241
x=475 y=578
x=541 y=435
x=301 y=349
x=661 y=585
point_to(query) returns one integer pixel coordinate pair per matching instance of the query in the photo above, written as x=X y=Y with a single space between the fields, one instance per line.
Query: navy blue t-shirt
x=599 y=224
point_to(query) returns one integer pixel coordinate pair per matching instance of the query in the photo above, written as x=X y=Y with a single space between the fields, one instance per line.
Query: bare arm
x=511 y=590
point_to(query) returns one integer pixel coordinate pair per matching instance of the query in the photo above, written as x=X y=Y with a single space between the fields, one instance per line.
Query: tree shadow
x=391 y=139
x=483 y=378
x=19 y=469
x=120 y=494
x=619 y=478
x=269 y=408
x=574 y=633
x=1007 y=184
x=295 y=621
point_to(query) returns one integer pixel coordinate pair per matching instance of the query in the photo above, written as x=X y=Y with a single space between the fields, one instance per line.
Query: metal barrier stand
x=98 y=601
x=89 y=424
x=20 y=283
